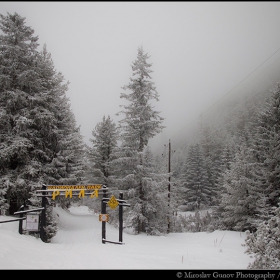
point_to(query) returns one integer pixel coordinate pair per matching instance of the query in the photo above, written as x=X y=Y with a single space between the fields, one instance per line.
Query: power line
x=243 y=80
x=203 y=113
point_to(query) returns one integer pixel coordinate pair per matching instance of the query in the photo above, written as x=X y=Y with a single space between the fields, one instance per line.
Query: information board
x=32 y=222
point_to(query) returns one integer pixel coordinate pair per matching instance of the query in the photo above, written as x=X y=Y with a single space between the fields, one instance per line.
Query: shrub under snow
x=264 y=244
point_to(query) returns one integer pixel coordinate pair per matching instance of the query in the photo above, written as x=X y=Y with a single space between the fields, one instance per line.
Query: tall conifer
x=140 y=123
x=40 y=142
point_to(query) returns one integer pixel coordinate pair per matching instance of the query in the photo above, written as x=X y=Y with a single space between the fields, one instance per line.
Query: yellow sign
x=82 y=187
x=56 y=193
x=103 y=217
x=94 y=194
x=113 y=203
x=68 y=189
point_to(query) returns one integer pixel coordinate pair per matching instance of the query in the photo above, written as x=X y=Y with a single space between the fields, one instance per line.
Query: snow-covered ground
x=78 y=245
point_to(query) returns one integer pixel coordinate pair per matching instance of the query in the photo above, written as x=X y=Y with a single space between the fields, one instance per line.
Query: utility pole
x=169 y=178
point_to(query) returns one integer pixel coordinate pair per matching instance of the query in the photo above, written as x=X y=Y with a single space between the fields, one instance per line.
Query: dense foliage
x=264 y=244
x=39 y=141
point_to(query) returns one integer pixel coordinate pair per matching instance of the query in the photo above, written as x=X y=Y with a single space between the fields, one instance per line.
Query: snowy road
x=78 y=245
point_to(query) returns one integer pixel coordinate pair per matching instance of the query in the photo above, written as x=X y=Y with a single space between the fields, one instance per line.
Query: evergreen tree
x=267 y=152
x=155 y=205
x=194 y=182
x=227 y=158
x=239 y=200
x=141 y=123
x=64 y=141
x=265 y=159
x=40 y=142
x=212 y=146
x=237 y=195
x=18 y=87
x=102 y=153
x=264 y=244
x=182 y=187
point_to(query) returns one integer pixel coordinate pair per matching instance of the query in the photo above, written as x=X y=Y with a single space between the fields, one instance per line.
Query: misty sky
x=200 y=52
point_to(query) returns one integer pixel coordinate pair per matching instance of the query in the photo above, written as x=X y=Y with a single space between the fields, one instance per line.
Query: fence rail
x=14 y=220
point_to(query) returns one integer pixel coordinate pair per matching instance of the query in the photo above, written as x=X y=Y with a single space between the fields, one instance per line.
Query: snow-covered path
x=78 y=245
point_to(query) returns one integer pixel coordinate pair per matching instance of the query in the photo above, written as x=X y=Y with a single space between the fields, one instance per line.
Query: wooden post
x=43 y=216
x=121 y=218
x=20 y=221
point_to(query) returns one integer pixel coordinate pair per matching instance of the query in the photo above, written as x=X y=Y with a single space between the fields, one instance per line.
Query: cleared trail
x=78 y=245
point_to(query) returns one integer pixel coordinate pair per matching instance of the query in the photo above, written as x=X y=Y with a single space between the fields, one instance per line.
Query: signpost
x=113 y=203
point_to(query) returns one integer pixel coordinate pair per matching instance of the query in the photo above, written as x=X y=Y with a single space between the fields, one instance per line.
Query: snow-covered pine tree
x=264 y=244
x=64 y=141
x=211 y=146
x=263 y=241
x=227 y=157
x=183 y=190
x=195 y=182
x=141 y=122
x=38 y=129
x=266 y=150
x=18 y=86
x=155 y=205
x=104 y=143
x=239 y=198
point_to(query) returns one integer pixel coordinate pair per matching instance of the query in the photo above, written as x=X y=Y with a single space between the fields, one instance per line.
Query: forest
x=228 y=169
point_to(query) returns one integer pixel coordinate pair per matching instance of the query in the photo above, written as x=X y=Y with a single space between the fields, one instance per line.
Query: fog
x=201 y=53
